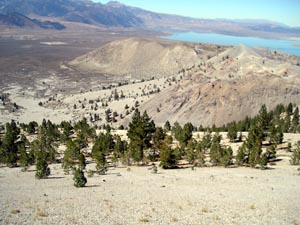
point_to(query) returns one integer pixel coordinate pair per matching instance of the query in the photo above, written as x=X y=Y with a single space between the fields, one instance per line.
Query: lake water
x=288 y=46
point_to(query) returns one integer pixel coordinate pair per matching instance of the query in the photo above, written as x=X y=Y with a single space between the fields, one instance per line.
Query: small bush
x=90 y=173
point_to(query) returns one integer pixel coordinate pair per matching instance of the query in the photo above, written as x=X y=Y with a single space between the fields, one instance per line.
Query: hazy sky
x=283 y=11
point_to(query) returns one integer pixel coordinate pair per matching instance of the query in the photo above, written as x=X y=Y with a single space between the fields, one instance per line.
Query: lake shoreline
x=289 y=45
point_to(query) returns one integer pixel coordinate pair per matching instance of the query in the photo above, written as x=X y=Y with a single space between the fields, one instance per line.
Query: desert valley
x=104 y=120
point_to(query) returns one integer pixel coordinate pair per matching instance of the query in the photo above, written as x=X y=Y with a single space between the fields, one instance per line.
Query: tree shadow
x=275 y=160
x=54 y=178
x=92 y=186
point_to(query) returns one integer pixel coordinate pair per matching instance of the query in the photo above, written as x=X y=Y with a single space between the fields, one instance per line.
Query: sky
x=282 y=11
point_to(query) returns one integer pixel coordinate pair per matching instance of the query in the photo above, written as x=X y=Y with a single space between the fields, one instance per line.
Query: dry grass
x=144 y=220
x=42 y=213
x=15 y=211
x=252 y=206
x=204 y=210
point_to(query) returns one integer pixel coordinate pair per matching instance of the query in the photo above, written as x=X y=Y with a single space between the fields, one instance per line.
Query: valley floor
x=136 y=196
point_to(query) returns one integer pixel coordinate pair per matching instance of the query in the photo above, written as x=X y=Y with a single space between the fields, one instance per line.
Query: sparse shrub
x=90 y=173
x=154 y=169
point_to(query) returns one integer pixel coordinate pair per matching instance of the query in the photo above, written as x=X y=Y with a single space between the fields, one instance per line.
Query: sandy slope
x=203 y=196
x=140 y=58
x=184 y=196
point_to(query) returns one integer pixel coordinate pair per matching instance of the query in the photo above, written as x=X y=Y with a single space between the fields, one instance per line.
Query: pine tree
x=295 y=156
x=191 y=151
x=79 y=178
x=276 y=135
x=45 y=143
x=84 y=132
x=215 y=150
x=295 y=121
x=263 y=122
x=289 y=109
x=168 y=159
x=187 y=133
x=120 y=147
x=25 y=158
x=232 y=133
x=167 y=126
x=67 y=131
x=183 y=135
x=72 y=156
x=200 y=154
x=42 y=169
x=140 y=132
x=9 y=147
x=241 y=155
x=206 y=141
x=226 y=156
x=157 y=139
x=250 y=152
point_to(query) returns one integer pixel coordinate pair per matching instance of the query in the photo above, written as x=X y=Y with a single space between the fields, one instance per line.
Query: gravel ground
x=136 y=196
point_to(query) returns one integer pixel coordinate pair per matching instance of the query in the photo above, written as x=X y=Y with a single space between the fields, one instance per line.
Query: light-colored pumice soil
x=214 y=195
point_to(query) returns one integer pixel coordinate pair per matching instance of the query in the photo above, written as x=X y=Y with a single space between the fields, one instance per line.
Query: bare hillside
x=228 y=87
x=140 y=58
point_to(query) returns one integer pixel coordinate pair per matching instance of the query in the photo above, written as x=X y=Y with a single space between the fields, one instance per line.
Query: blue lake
x=288 y=46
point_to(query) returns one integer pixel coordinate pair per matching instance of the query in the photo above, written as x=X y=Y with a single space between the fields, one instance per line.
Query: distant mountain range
x=19 y=20
x=115 y=14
